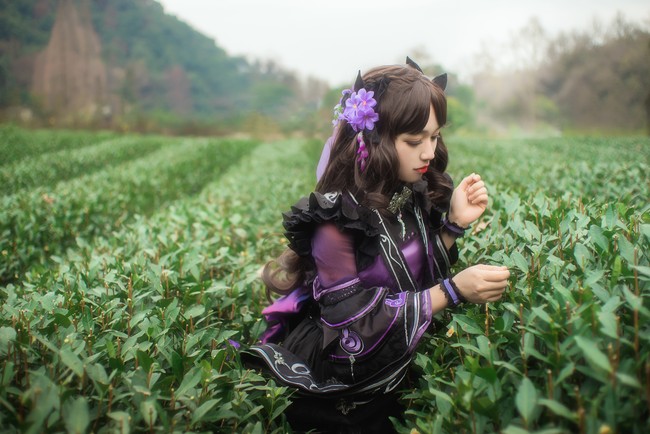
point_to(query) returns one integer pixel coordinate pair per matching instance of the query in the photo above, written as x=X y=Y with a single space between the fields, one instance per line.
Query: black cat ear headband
x=438 y=80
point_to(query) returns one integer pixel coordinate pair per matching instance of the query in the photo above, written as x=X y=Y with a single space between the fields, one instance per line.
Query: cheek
x=403 y=157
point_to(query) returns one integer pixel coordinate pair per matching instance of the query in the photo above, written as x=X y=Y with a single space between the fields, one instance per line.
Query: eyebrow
x=424 y=132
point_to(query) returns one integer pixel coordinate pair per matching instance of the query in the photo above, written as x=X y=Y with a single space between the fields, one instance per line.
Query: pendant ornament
x=399 y=200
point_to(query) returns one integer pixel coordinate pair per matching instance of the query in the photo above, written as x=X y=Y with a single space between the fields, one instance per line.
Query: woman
x=370 y=251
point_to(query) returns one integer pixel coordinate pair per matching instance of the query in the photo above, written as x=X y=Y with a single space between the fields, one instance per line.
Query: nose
x=429 y=149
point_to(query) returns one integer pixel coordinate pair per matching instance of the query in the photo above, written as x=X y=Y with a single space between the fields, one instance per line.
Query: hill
x=76 y=61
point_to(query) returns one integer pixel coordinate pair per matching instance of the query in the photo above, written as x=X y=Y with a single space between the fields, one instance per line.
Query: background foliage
x=129 y=320
x=164 y=76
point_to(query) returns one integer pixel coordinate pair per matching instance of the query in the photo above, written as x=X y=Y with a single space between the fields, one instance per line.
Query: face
x=416 y=151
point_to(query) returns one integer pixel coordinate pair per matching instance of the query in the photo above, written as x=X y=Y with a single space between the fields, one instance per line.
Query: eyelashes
x=434 y=138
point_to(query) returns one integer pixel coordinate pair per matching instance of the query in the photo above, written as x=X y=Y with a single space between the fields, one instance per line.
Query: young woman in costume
x=370 y=252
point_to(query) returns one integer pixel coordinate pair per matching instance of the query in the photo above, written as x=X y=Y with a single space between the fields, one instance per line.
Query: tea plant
x=52 y=167
x=142 y=323
x=567 y=349
x=45 y=220
x=131 y=321
x=17 y=144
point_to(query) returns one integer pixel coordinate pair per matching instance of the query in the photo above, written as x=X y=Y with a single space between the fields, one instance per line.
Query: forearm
x=438 y=299
x=447 y=239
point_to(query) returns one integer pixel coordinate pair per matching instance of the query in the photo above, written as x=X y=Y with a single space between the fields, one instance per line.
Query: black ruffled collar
x=343 y=210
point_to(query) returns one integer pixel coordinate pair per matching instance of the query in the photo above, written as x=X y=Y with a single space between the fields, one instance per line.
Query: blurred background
x=272 y=69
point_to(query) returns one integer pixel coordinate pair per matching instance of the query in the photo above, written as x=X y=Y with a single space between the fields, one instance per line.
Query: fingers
x=494 y=281
x=493 y=294
x=495 y=297
x=477 y=192
x=469 y=180
x=490 y=267
x=499 y=275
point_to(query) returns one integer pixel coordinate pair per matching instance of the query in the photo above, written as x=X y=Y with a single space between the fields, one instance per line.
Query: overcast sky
x=333 y=39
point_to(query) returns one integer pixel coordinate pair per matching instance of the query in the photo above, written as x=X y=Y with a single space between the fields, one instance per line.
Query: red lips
x=422 y=169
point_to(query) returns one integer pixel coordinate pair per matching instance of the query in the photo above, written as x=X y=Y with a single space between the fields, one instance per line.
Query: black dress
x=346 y=337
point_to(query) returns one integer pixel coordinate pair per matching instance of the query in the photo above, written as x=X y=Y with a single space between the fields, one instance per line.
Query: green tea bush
x=18 y=143
x=53 y=167
x=567 y=349
x=133 y=326
x=44 y=221
x=139 y=321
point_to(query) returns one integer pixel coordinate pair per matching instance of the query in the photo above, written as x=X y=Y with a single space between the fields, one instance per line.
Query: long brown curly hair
x=404 y=100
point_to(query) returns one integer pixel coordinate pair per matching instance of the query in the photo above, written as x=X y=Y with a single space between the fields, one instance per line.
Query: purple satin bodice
x=378 y=275
x=333 y=253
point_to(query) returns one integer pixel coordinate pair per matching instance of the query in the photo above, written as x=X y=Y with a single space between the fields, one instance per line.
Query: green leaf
x=608 y=324
x=592 y=354
x=45 y=400
x=7 y=335
x=148 y=412
x=191 y=379
x=76 y=416
x=526 y=399
x=487 y=373
x=645 y=230
x=582 y=255
x=512 y=429
x=541 y=314
x=598 y=238
x=253 y=411
x=626 y=249
x=519 y=261
x=533 y=229
x=559 y=409
x=204 y=408
x=177 y=365
x=195 y=311
x=444 y=403
x=122 y=420
x=144 y=360
x=97 y=373
x=257 y=429
x=7 y=374
x=467 y=324
x=643 y=270
x=628 y=380
x=565 y=373
x=72 y=361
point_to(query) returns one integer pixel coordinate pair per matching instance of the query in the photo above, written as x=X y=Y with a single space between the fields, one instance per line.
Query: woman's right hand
x=482 y=283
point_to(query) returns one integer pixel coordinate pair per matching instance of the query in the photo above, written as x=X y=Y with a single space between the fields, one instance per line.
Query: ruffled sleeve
x=365 y=329
x=310 y=212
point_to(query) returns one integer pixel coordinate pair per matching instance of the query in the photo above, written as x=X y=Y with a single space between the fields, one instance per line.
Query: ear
x=358 y=84
x=412 y=64
x=440 y=81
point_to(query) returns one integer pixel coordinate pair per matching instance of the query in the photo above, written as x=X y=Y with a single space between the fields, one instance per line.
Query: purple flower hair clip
x=359 y=112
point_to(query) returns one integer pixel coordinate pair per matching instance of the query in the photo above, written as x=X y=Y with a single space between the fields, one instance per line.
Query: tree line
x=163 y=75
x=596 y=79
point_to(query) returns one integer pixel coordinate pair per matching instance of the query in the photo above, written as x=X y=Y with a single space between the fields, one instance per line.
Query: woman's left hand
x=468 y=201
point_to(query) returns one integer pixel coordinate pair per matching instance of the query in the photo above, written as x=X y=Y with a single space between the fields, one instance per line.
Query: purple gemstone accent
x=396 y=302
x=350 y=341
x=380 y=340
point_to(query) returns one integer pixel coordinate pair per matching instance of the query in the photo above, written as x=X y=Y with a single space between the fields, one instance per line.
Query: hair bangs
x=413 y=117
